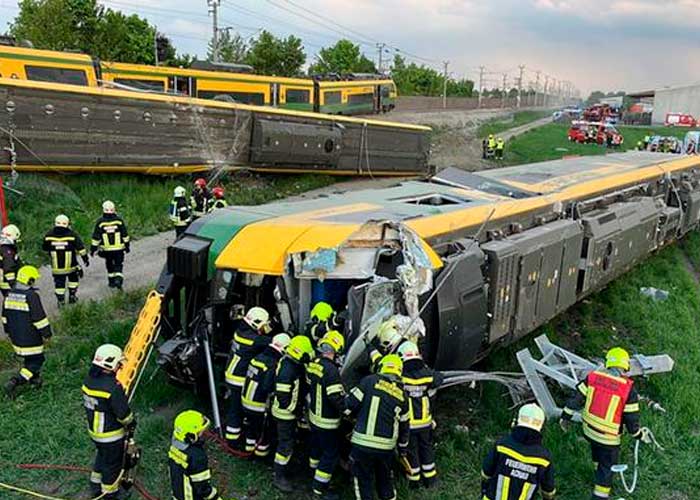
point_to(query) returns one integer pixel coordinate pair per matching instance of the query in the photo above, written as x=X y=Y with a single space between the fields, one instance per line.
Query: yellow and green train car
x=366 y=95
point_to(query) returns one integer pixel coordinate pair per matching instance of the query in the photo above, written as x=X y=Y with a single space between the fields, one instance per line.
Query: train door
x=317 y=97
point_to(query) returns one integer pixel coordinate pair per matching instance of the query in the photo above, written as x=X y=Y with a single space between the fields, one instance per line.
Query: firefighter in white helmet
x=518 y=465
x=64 y=247
x=180 y=211
x=109 y=420
x=110 y=239
x=10 y=261
x=249 y=340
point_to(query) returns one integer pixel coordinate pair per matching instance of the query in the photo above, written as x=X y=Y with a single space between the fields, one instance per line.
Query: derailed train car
x=482 y=258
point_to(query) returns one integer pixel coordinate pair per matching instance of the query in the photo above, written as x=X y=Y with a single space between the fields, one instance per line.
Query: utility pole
x=520 y=84
x=481 y=85
x=503 y=96
x=380 y=48
x=444 y=85
x=537 y=88
x=214 y=11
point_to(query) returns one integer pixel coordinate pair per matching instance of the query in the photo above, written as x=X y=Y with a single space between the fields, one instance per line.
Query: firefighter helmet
x=179 y=192
x=322 y=311
x=108 y=357
x=61 y=221
x=300 y=348
x=28 y=275
x=334 y=340
x=617 y=357
x=531 y=416
x=11 y=232
x=108 y=207
x=189 y=426
x=280 y=342
x=257 y=318
x=200 y=182
x=409 y=350
x=218 y=192
x=389 y=336
x=391 y=364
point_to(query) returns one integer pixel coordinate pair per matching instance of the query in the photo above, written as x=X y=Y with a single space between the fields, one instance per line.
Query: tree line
x=86 y=26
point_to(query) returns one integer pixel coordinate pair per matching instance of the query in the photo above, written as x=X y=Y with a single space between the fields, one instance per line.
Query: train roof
x=451 y=201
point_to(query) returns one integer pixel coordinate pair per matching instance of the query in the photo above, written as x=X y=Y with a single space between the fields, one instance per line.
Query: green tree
x=412 y=79
x=343 y=57
x=595 y=96
x=125 y=39
x=232 y=48
x=270 y=55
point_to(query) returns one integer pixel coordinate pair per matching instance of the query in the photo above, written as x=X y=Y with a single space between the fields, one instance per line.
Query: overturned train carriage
x=66 y=128
x=484 y=258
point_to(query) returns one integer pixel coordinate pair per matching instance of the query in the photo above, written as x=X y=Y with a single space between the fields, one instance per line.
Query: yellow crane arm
x=141 y=342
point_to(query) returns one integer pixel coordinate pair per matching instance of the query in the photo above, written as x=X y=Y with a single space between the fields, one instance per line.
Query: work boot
x=95 y=490
x=11 y=387
x=72 y=298
x=282 y=483
x=36 y=381
x=119 y=283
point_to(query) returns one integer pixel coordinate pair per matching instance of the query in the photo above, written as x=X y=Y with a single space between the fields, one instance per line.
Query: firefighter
x=518 y=465
x=387 y=341
x=9 y=256
x=180 y=211
x=190 y=476
x=200 y=198
x=110 y=239
x=490 y=146
x=110 y=421
x=259 y=386
x=647 y=140
x=326 y=408
x=218 y=199
x=287 y=405
x=609 y=400
x=64 y=247
x=28 y=327
x=321 y=320
x=382 y=411
x=249 y=340
x=418 y=382
x=640 y=146
x=500 y=146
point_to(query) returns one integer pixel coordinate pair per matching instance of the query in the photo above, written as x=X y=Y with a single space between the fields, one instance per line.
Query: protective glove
x=86 y=261
x=127 y=248
x=131 y=426
x=81 y=273
x=565 y=424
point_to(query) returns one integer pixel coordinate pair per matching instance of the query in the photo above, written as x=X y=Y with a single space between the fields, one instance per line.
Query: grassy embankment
x=143 y=201
x=498 y=125
x=48 y=426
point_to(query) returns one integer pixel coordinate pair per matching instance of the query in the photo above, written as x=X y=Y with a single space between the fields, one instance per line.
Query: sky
x=604 y=45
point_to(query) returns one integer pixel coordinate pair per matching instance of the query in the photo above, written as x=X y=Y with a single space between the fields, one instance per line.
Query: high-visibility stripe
x=16 y=305
x=527 y=492
x=502 y=487
x=632 y=408
x=242 y=340
x=282 y=459
x=43 y=323
x=418 y=381
x=373 y=414
x=26 y=374
x=522 y=458
x=322 y=477
x=28 y=351
x=95 y=393
x=202 y=476
x=106 y=437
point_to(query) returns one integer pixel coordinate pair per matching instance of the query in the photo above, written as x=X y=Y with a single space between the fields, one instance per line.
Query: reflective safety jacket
x=326 y=393
x=10 y=263
x=25 y=321
x=381 y=408
x=199 y=201
x=609 y=400
x=418 y=381
x=216 y=203
x=491 y=143
x=290 y=389
x=106 y=406
x=190 y=476
x=260 y=380
x=517 y=467
x=110 y=234
x=247 y=343
x=64 y=247
x=500 y=144
x=180 y=212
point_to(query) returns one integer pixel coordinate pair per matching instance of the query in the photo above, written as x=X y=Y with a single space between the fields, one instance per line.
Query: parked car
x=680 y=120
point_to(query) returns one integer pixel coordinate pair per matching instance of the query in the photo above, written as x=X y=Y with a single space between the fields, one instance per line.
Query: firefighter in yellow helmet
x=608 y=402
x=288 y=405
x=109 y=419
x=10 y=262
x=326 y=408
x=110 y=239
x=27 y=325
x=382 y=412
x=322 y=319
x=190 y=475
x=249 y=340
x=519 y=465
x=64 y=247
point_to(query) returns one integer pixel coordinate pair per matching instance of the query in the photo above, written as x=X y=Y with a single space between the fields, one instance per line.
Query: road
x=143 y=265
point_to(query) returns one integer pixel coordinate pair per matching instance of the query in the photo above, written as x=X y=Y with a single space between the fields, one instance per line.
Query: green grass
x=143 y=201
x=498 y=125
x=550 y=142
